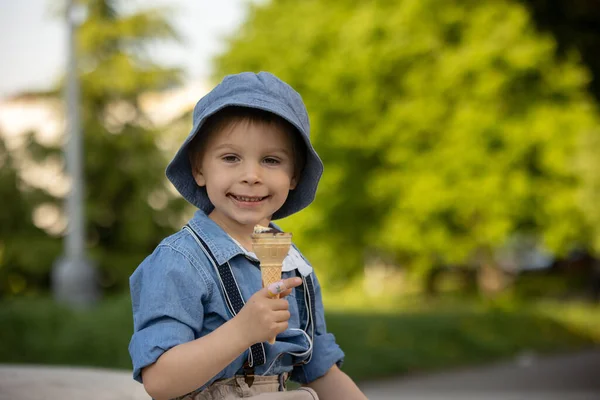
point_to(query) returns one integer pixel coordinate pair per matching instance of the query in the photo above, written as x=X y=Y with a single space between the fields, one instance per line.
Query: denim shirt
x=176 y=298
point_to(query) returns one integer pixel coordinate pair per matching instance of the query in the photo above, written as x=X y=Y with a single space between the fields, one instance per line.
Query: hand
x=264 y=317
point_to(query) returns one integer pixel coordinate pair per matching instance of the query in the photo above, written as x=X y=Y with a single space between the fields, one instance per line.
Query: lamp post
x=74 y=278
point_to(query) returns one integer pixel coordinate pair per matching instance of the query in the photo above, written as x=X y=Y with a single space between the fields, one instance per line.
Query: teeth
x=248 y=199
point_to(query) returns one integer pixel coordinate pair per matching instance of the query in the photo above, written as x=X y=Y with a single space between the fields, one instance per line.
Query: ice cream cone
x=271 y=247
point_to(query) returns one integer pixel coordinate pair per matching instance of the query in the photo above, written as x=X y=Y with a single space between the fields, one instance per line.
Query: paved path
x=567 y=377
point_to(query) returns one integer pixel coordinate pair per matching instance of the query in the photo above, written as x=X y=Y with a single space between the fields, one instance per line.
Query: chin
x=252 y=218
x=249 y=221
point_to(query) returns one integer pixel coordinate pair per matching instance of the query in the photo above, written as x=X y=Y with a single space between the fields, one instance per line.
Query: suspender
x=235 y=301
x=309 y=301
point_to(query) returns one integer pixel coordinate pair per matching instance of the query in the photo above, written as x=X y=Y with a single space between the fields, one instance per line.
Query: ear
x=293 y=183
x=198 y=177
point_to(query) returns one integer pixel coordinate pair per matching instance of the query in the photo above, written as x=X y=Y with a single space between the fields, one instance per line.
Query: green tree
x=445 y=126
x=589 y=193
x=19 y=266
x=129 y=207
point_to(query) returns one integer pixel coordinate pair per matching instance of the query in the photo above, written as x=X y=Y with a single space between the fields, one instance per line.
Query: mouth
x=247 y=199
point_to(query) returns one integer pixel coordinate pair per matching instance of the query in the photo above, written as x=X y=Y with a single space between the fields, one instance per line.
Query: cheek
x=289 y=172
x=215 y=184
x=284 y=181
x=216 y=176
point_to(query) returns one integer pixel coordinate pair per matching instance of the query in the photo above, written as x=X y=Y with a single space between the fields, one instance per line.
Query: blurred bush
x=423 y=337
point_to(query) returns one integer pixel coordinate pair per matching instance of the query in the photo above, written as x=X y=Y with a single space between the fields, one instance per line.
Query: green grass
x=407 y=335
x=386 y=344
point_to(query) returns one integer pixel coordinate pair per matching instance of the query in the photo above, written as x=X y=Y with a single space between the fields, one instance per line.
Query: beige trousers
x=263 y=388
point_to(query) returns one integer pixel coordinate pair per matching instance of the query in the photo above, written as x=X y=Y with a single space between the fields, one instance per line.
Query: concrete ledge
x=574 y=376
x=18 y=382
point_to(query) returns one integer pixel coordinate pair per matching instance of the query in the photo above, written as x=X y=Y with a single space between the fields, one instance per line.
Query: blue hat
x=266 y=92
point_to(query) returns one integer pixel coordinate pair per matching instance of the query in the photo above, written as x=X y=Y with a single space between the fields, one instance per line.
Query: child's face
x=248 y=171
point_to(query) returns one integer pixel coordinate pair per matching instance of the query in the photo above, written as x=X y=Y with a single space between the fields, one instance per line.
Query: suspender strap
x=233 y=297
x=309 y=302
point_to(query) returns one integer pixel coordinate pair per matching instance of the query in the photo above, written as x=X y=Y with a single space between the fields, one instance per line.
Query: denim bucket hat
x=266 y=92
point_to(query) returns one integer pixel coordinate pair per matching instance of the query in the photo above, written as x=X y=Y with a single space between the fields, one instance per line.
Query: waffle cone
x=270 y=274
x=271 y=249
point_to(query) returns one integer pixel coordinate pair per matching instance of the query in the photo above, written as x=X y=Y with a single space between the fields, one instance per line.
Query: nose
x=251 y=173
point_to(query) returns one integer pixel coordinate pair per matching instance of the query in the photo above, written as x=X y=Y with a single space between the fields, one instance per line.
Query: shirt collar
x=224 y=247
x=220 y=244
x=218 y=241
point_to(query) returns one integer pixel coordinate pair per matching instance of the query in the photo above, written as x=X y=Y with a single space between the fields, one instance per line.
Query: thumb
x=281 y=286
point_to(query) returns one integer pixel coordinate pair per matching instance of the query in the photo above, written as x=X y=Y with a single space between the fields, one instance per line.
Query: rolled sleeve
x=326 y=351
x=167 y=295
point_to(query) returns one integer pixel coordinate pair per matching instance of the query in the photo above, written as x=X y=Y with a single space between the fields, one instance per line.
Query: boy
x=201 y=316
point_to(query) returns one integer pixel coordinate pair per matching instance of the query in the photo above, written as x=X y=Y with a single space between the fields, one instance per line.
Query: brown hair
x=232 y=115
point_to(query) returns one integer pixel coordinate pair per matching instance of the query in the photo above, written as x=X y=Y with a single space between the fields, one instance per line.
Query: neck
x=241 y=233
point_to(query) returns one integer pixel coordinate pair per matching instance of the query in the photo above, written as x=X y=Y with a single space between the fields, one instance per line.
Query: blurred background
x=458 y=219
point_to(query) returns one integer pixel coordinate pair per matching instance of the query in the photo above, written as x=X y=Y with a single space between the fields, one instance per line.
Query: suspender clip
x=248 y=375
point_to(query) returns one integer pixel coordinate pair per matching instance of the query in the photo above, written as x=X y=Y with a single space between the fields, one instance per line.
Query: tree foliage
x=128 y=205
x=19 y=265
x=445 y=127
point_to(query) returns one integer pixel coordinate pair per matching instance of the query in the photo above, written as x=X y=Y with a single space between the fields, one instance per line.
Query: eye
x=272 y=161
x=230 y=158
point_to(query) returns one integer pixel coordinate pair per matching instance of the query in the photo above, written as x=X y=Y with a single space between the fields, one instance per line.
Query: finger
x=276 y=288
x=285 y=293
x=279 y=304
x=291 y=283
x=282 y=286
x=282 y=316
x=281 y=327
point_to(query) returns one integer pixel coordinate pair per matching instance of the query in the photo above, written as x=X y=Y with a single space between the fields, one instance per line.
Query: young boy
x=201 y=316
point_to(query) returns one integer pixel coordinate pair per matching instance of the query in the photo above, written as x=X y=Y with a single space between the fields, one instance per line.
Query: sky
x=33 y=41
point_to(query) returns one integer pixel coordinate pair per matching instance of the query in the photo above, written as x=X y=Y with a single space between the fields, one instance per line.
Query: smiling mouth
x=247 y=199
